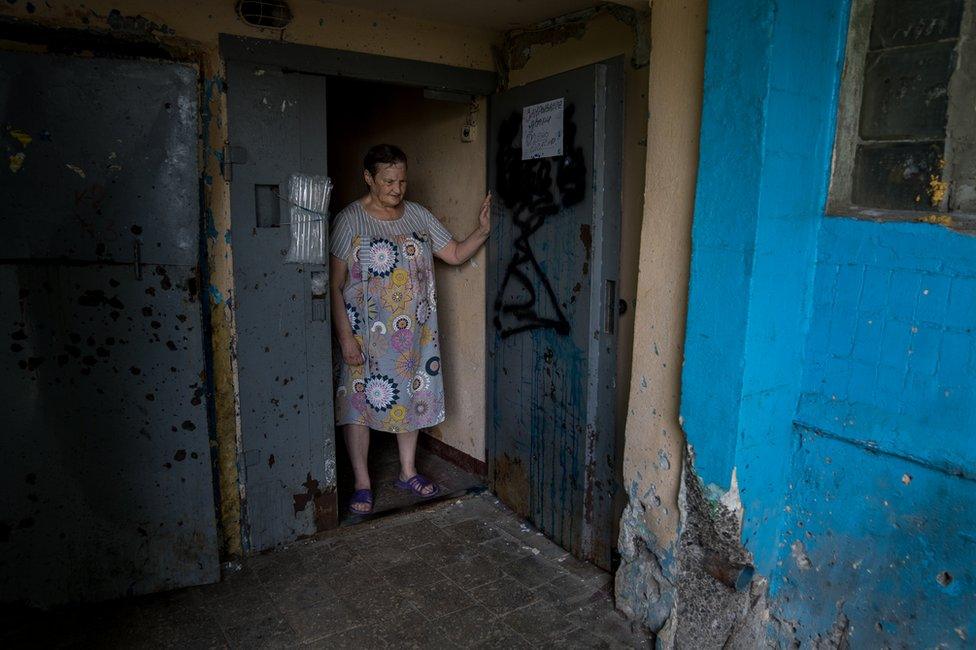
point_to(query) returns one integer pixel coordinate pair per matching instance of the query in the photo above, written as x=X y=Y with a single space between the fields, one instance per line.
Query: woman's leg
x=407 y=443
x=357 y=443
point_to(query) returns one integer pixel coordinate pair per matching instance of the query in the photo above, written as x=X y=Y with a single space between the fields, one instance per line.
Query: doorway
x=289 y=111
x=546 y=305
x=363 y=113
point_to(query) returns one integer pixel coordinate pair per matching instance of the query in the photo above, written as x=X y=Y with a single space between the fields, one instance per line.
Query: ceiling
x=496 y=15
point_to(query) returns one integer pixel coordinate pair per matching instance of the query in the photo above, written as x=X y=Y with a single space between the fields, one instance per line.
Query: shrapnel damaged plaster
x=654 y=442
x=517 y=47
x=219 y=258
x=828 y=363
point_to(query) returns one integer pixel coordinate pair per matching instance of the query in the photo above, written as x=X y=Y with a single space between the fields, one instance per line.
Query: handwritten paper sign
x=542 y=129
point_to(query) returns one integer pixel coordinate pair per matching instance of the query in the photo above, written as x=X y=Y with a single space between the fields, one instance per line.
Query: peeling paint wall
x=770 y=88
x=219 y=260
x=827 y=386
x=315 y=23
x=448 y=176
x=654 y=451
x=190 y=30
x=771 y=77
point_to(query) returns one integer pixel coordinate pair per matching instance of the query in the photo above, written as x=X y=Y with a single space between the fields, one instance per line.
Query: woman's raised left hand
x=484 y=217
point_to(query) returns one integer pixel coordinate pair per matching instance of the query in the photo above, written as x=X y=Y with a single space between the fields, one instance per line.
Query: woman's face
x=388 y=185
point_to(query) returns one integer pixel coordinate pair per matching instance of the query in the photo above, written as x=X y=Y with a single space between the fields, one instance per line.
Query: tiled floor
x=461 y=574
x=384 y=469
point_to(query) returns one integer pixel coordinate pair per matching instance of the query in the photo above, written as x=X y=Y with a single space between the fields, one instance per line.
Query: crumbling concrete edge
x=644 y=586
x=701 y=590
x=517 y=44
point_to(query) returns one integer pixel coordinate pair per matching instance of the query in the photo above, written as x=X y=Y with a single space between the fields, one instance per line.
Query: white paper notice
x=542 y=130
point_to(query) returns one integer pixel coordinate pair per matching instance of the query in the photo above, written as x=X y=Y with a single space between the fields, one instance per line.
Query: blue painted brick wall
x=885 y=542
x=883 y=484
x=829 y=361
x=891 y=353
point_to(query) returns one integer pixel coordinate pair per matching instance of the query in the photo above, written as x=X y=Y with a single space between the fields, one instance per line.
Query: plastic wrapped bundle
x=308 y=209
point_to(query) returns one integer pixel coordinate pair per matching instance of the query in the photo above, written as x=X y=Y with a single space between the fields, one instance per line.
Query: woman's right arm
x=351 y=352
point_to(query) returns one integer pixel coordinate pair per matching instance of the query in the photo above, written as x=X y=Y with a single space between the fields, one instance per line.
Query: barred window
x=905 y=130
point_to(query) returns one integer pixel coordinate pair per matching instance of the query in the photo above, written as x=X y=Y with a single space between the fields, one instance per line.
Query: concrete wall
x=654 y=438
x=448 y=176
x=878 y=526
x=827 y=383
x=189 y=30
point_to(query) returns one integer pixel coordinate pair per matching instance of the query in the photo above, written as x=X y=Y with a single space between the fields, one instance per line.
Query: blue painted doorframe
x=830 y=364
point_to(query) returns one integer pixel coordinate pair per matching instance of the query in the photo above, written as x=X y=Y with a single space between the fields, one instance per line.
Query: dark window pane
x=910 y=22
x=905 y=92
x=897 y=176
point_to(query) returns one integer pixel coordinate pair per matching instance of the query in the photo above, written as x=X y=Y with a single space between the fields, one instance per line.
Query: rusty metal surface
x=107 y=486
x=551 y=342
x=283 y=338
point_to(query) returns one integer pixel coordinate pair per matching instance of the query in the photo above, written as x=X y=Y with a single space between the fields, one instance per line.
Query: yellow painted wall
x=198 y=22
x=448 y=176
x=675 y=95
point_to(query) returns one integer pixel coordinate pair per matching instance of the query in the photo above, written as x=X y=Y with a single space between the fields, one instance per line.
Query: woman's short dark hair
x=383 y=154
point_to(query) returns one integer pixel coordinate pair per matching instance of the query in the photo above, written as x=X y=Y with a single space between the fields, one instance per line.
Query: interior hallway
x=465 y=573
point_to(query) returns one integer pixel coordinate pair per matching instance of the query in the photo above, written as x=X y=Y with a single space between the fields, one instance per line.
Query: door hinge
x=231 y=156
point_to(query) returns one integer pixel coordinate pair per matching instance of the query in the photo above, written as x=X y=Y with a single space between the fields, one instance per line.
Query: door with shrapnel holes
x=107 y=486
x=277 y=127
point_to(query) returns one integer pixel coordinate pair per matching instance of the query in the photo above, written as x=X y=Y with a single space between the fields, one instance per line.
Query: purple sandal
x=418 y=484
x=360 y=497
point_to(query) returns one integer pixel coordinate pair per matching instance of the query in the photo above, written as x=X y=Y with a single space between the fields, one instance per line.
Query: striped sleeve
x=341 y=236
x=439 y=235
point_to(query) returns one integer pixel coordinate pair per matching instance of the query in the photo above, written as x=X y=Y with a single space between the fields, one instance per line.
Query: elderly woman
x=384 y=310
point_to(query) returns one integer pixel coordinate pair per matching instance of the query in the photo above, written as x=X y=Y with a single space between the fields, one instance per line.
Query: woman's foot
x=361 y=502
x=419 y=485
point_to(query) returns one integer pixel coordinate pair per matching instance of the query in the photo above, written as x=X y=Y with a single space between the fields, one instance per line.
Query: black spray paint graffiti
x=525 y=187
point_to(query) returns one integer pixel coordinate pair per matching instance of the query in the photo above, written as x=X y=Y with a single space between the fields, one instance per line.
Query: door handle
x=610 y=305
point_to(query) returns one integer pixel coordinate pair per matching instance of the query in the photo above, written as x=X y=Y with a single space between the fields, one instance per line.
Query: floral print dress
x=392 y=309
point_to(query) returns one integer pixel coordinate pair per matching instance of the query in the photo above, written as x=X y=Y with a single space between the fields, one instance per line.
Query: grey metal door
x=107 y=486
x=276 y=122
x=553 y=264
